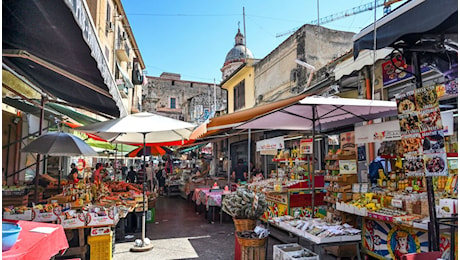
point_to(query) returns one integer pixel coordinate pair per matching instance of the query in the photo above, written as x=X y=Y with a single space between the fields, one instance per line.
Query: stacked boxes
x=293 y=252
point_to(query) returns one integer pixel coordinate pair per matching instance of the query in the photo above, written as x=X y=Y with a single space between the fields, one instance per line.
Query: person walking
x=161 y=178
x=132 y=174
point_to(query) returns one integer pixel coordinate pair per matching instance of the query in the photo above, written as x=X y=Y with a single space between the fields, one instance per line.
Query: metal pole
x=434 y=234
x=313 y=161
x=245 y=36
x=375 y=49
x=249 y=154
x=143 y=193
x=37 y=170
x=228 y=161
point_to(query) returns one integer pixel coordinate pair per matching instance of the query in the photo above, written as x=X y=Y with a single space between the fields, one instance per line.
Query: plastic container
x=10 y=233
x=100 y=247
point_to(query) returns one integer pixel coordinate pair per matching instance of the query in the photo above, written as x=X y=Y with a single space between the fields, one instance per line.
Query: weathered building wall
x=277 y=76
x=159 y=91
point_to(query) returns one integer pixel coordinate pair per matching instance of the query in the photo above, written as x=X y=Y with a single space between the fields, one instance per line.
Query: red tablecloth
x=34 y=245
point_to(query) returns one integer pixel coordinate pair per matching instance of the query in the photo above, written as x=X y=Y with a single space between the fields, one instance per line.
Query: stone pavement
x=180 y=233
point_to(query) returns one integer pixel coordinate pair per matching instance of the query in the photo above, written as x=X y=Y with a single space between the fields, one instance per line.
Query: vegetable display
x=245 y=204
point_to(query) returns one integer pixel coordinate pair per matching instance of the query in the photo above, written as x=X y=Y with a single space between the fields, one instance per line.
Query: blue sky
x=192 y=37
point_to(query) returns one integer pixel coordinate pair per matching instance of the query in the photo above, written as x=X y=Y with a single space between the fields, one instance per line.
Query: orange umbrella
x=150 y=150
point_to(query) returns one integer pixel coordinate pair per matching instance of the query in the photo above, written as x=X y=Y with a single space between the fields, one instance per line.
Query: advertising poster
x=381 y=132
x=391 y=74
x=435 y=164
x=406 y=102
x=433 y=142
x=347 y=166
x=270 y=146
x=430 y=120
x=413 y=165
x=422 y=136
x=306 y=146
x=347 y=142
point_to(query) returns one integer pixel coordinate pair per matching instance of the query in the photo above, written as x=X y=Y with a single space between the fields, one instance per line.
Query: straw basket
x=244 y=224
x=251 y=242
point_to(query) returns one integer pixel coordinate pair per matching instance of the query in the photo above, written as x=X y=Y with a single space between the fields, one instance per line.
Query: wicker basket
x=251 y=242
x=244 y=224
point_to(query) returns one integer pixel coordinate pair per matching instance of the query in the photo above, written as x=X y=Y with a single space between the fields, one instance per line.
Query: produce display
x=245 y=204
x=317 y=230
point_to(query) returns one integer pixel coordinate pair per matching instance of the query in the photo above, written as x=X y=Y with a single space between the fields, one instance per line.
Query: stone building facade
x=278 y=76
x=190 y=101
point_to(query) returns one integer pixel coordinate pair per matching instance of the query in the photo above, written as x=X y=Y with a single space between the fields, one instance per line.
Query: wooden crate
x=253 y=253
x=15 y=200
x=342 y=251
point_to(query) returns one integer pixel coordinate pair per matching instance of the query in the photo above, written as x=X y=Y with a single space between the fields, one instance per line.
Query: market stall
x=37 y=241
x=396 y=208
x=87 y=209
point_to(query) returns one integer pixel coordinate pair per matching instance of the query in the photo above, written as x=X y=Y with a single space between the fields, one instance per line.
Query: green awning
x=28 y=107
x=77 y=116
x=193 y=148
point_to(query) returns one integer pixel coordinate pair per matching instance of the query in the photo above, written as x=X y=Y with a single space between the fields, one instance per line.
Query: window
x=172 y=103
x=238 y=96
x=108 y=20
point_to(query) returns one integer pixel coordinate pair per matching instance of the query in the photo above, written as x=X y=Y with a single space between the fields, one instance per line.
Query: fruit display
x=16 y=210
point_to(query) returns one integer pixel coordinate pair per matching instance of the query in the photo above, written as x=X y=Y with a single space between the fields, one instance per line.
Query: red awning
x=92 y=136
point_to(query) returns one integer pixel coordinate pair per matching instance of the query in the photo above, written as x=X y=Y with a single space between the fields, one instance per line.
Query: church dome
x=237 y=53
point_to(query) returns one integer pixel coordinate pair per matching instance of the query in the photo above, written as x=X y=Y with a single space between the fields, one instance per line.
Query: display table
x=209 y=199
x=37 y=245
x=320 y=243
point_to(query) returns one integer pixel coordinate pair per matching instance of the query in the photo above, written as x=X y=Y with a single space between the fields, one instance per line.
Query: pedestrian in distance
x=132 y=174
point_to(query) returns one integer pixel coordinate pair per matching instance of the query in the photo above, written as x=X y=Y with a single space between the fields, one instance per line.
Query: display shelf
x=340 y=189
x=345 y=178
x=452 y=155
x=332 y=168
x=340 y=157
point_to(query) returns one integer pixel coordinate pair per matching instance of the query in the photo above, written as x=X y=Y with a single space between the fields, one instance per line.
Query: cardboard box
x=100 y=231
x=38 y=216
x=111 y=218
x=27 y=215
x=297 y=255
x=279 y=250
x=79 y=220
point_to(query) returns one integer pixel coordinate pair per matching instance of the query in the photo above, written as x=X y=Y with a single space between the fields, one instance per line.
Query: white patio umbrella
x=315 y=112
x=142 y=128
x=59 y=144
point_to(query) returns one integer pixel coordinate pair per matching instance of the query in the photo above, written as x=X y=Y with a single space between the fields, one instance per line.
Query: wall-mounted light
x=16 y=120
